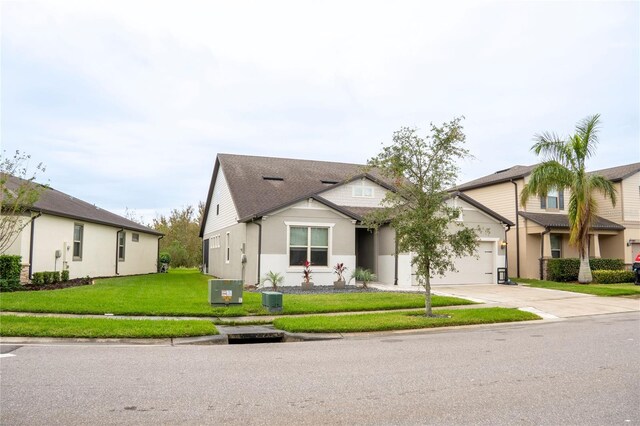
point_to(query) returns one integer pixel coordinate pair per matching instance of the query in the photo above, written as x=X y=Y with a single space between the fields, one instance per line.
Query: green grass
x=24 y=326
x=606 y=290
x=399 y=320
x=184 y=293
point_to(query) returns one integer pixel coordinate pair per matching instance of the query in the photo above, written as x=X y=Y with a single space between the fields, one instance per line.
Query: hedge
x=565 y=270
x=10 y=267
x=613 y=277
x=9 y=285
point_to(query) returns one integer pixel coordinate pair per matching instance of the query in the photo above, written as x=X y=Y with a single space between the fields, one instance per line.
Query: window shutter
x=543 y=203
x=561 y=199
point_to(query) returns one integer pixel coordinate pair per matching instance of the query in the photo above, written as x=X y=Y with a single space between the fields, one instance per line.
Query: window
x=226 y=245
x=78 y=231
x=135 y=237
x=556 y=246
x=308 y=243
x=361 y=190
x=552 y=199
x=121 y=241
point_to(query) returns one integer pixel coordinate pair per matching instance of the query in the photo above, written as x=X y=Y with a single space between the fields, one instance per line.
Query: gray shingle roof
x=552 y=220
x=616 y=174
x=54 y=202
x=297 y=179
x=515 y=172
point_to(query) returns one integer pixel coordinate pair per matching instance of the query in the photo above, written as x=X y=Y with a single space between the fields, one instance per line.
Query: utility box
x=225 y=292
x=272 y=301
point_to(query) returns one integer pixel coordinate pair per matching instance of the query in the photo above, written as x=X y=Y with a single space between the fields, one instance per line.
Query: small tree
x=274 y=278
x=18 y=193
x=422 y=170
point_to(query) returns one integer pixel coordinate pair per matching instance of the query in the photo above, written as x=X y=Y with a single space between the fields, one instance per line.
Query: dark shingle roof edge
x=553 y=220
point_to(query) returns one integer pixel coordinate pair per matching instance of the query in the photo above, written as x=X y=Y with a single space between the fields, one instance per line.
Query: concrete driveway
x=544 y=302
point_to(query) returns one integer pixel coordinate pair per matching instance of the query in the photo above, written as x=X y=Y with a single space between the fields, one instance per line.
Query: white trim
x=329 y=226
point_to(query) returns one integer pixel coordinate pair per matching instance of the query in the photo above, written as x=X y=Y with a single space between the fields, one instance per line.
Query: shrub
x=606 y=264
x=10 y=267
x=165 y=257
x=37 y=278
x=64 y=276
x=48 y=277
x=363 y=275
x=9 y=285
x=274 y=278
x=55 y=277
x=565 y=270
x=613 y=277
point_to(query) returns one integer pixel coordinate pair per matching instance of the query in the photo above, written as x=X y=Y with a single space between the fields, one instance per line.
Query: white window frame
x=319 y=268
x=362 y=190
x=227 y=247
x=122 y=238
x=80 y=242
x=553 y=194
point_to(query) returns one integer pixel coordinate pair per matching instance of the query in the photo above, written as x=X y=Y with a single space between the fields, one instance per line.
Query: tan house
x=272 y=214
x=67 y=233
x=542 y=227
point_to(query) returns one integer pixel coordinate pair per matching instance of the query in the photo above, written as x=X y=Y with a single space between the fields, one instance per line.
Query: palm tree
x=563 y=167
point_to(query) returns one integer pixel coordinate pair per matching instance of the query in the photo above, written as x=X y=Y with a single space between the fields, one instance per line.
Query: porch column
x=546 y=245
x=595 y=239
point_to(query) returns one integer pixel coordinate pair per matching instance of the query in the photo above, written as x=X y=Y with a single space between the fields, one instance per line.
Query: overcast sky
x=128 y=102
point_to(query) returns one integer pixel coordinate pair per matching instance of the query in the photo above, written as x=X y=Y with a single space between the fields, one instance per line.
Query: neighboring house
x=271 y=214
x=67 y=233
x=543 y=226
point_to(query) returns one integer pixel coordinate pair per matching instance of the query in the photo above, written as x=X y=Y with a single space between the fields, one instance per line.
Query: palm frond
x=547 y=176
x=605 y=186
x=587 y=131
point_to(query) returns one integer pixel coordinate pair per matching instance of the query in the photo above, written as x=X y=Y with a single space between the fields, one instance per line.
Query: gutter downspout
x=117 y=244
x=158 y=255
x=506 y=257
x=31 y=238
x=546 y=231
x=517 y=231
x=259 y=247
x=395 y=277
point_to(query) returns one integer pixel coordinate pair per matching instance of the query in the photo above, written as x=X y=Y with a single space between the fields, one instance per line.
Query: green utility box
x=272 y=301
x=225 y=292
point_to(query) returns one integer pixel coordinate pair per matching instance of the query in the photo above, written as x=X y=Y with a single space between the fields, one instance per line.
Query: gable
x=357 y=193
x=221 y=211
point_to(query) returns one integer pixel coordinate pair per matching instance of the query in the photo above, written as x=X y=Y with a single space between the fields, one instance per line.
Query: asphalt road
x=582 y=371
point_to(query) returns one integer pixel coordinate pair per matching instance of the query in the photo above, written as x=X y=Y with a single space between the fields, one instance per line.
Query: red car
x=636 y=269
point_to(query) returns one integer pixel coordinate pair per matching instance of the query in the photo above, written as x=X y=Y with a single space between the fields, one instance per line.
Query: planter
x=307 y=285
x=339 y=284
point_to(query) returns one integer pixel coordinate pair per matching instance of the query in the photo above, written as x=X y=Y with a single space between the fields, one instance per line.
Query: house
x=542 y=225
x=67 y=233
x=272 y=214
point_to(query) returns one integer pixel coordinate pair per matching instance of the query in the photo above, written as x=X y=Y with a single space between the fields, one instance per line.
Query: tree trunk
x=427 y=295
x=584 y=275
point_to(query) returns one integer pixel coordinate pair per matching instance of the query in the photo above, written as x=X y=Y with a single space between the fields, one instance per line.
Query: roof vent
x=502 y=171
x=329 y=182
x=272 y=178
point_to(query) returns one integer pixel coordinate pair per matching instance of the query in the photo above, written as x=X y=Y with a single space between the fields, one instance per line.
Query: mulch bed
x=76 y=282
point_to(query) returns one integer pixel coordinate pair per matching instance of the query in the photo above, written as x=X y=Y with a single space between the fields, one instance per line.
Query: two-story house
x=272 y=214
x=542 y=225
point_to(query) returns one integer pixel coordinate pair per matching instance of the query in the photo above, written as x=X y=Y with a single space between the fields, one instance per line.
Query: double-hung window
x=556 y=245
x=121 y=245
x=308 y=243
x=78 y=233
x=361 y=190
x=552 y=199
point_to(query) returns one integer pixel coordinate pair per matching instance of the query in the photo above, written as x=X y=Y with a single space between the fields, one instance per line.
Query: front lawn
x=184 y=293
x=606 y=290
x=12 y=325
x=399 y=320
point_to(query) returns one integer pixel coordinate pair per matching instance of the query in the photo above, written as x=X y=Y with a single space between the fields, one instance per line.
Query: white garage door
x=472 y=270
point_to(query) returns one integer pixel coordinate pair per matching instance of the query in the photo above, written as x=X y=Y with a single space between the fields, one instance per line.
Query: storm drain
x=252 y=334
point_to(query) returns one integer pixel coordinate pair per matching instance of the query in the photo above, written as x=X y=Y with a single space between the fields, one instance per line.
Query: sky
x=127 y=103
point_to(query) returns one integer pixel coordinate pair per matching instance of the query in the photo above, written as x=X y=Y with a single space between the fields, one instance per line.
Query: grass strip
x=185 y=293
x=604 y=290
x=25 y=326
x=399 y=320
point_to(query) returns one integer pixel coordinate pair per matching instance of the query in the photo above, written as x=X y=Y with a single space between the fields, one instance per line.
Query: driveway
x=545 y=302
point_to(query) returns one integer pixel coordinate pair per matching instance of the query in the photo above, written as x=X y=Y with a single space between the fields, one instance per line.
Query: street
x=583 y=370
